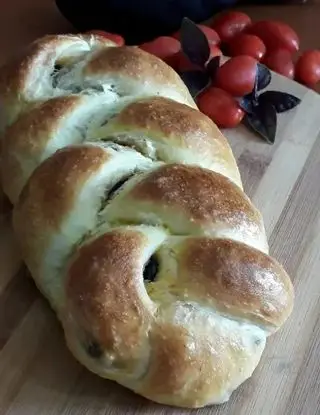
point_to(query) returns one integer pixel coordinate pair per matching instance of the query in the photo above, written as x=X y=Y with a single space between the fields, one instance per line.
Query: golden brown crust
x=132 y=62
x=18 y=75
x=104 y=294
x=50 y=194
x=14 y=75
x=58 y=179
x=242 y=281
x=172 y=367
x=166 y=130
x=137 y=65
x=188 y=199
x=27 y=138
x=177 y=124
x=192 y=364
x=173 y=120
x=201 y=194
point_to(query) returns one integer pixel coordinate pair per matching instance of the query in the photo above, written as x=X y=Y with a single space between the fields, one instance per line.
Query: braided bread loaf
x=130 y=213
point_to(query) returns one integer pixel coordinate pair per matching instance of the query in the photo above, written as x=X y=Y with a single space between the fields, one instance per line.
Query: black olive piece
x=151 y=269
x=94 y=350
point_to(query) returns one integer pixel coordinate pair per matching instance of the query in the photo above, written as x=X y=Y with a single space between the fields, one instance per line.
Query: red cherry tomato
x=173 y=61
x=228 y=24
x=215 y=51
x=275 y=35
x=280 y=61
x=119 y=40
x=211 y=35
x=249 y=45
x=221 y=107
x=163 y=47
x=237 y=75
x=180 y=62
x=308 y=68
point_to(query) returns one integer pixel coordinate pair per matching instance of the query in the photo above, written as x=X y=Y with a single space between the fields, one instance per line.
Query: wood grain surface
x=38 y=376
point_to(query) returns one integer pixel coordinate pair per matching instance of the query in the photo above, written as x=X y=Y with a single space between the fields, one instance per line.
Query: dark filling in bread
x=116 y=187
x=55 y=73
x=125 y=141
x=111 y=193
x=60 y=70
x=94 y=350
x=151 y=269
x=105 y=122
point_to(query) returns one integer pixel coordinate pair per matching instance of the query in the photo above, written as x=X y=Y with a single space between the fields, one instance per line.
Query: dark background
x=142 y=20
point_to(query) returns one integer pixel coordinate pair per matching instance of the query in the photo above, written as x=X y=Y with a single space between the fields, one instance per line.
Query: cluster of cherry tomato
x=273 y=43
x=233 y=34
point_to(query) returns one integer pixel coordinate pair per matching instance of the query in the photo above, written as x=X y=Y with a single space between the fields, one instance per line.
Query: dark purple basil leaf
x=194 y=42
x=263 y=121
x=246 y=104
x=254 y=92
x=253 y=95
x=264 y=76
x=213 y=66
x=280 y=100
x=196 y=81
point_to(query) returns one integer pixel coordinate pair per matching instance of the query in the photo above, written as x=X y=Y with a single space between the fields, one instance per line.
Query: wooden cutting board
x=39 y=376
